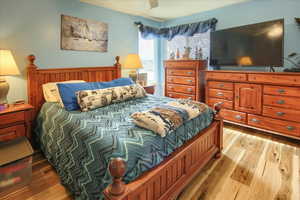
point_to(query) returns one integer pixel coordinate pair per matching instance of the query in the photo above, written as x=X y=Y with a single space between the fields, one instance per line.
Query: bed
x=102 y=154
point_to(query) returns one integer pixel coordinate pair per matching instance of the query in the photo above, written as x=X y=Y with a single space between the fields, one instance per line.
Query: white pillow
x=51 y=92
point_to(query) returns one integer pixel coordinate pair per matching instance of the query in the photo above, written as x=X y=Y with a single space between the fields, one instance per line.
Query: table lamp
x=133 y=62
x=8 y=67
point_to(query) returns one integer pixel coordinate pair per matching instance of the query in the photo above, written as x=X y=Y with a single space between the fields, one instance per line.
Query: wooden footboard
x=167 y=180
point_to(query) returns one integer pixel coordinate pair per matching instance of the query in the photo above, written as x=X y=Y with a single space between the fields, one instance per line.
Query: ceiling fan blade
x=153 y=3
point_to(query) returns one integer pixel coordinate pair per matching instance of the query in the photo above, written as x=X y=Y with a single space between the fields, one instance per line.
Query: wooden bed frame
x=166 y=180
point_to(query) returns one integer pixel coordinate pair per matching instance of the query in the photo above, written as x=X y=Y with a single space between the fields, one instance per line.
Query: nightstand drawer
x=12 y=132
x=12 y=117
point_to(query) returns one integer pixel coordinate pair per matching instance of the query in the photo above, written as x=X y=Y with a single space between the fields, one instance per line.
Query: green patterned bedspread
x=80 y=144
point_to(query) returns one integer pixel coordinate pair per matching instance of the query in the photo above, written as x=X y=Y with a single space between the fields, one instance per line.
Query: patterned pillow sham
x=168 y=117
x=92 y=99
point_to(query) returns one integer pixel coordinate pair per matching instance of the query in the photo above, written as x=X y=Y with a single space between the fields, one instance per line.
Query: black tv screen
x=259 y=44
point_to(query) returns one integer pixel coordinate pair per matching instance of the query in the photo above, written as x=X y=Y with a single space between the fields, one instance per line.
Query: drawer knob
x=255 y=120
x=220 y=94
x=290 y=128
x=280 y=113
x=239 y=117
x=281 y=91
x=281 y=102
x=189 y=72
x=189 y=89
x=221 y=85
x=189 y=81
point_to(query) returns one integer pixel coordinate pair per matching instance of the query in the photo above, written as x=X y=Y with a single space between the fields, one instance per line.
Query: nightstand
x=15 y=121
x=150 y=89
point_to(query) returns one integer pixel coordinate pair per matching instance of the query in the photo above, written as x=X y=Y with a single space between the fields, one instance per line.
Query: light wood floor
x=253 y=167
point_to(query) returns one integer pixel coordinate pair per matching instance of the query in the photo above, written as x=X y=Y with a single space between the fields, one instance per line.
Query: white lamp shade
x=8 y=65
x=133 y=61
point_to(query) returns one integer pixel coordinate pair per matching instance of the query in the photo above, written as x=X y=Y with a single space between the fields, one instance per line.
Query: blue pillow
x=68 y=91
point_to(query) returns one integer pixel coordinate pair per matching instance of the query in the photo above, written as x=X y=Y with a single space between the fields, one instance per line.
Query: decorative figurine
x=186 y=55
x=177 y=54
x=172 y=56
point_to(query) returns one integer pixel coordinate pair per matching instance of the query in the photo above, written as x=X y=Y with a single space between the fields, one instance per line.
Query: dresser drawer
x=12 y=117
x=275 y=79
x=181 y=72
x=282 y=113
x=12 y=132
x=181 y=80
x=226 y=104
x=283 y=102
x=282 y=91
x=180 y=96
x=181 y=89
x=281 y=126
x=226 y=76
x=234 y=116
x=220 y=85
x=221 y=94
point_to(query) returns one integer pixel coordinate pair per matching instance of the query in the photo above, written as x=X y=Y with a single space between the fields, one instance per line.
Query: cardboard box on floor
x=15 y=164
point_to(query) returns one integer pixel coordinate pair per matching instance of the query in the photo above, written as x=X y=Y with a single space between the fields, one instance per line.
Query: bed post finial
x=31 y=58
x=118 y=66
x=117 y=169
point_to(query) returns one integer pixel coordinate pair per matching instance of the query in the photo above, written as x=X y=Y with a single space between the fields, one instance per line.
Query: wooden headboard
x=37 y=77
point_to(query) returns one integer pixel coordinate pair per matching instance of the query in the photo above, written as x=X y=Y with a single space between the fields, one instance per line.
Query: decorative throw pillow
x=51 y=92
x=67 y=91
x=92 y=99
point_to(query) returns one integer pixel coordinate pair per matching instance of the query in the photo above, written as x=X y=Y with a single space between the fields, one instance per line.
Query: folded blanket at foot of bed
x=168 y=117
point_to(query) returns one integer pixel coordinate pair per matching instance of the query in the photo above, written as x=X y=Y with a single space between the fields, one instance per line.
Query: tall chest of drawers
x=185 y=79
x=268 y=101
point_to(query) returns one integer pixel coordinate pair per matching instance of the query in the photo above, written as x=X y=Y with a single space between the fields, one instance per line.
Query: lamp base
x=4 y=87
x=133 y=75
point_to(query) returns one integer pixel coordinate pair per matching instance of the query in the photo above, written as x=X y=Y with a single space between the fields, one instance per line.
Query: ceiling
x=167 y=9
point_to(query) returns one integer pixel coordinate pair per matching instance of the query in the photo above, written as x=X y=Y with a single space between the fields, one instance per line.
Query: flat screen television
x=258 y=45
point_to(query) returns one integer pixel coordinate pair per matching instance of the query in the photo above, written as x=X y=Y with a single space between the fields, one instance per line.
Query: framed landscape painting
x=83 y=34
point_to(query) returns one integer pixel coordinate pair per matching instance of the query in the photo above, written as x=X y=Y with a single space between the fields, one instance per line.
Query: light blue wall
x=33 y=27
x=252 y=12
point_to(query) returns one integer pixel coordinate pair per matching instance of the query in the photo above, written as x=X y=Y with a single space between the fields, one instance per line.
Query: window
x=147 y=52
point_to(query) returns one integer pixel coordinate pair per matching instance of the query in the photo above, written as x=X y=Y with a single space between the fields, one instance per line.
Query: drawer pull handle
x=189 y=72
x=255 y=120
x=221 y=85
x=239 y=117
x=189 y=89
x=281 y=102
x=281 y=91
x=290 y=128
x=189 y=81
x=220 y=94
x=280 y=113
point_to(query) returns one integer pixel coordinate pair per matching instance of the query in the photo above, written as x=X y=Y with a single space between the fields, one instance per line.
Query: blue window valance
x=149 y=32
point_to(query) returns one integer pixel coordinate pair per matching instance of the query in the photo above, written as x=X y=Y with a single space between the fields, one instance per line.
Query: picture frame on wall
x=83 y=34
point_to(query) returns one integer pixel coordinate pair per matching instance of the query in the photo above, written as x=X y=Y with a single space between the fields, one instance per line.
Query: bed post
x=117 y=169
x=219 y=118
x=32 y=82
x=118 y=66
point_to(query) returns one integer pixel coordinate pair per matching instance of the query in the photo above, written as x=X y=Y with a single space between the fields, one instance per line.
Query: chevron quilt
x=80 y=144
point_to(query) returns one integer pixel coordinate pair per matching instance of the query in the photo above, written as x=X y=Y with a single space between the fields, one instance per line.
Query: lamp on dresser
x=8 y=67
x=133 y=62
